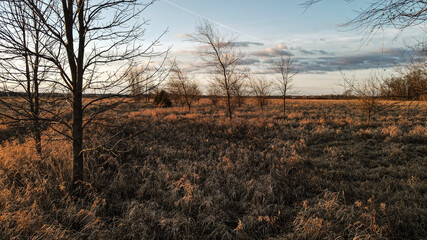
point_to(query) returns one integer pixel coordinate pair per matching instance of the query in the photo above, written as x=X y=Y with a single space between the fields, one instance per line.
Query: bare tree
x=411 y=85
x=381 y=13
x=285 y=67
x=410 y=81
x=261 y=89
x=219 y=54
x=415 y=72
x=22 y=74
x=367 y=94
x=135 y=84
x=142 y=79
x=214 y=94
x=240 y=87
x=182 y=87
x=90 y=44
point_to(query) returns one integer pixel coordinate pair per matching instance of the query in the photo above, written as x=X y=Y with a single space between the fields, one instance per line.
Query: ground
x=321 y=171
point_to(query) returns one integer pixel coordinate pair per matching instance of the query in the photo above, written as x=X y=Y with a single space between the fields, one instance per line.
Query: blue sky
x=313 y=37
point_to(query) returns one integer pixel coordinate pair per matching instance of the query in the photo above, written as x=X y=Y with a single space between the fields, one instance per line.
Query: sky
x=313 y=37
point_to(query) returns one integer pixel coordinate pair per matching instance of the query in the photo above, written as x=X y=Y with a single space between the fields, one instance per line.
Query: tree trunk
x=76 y=69
x=37 y=137
x=284 y=104
x=77 y=135
x=230 y=111
x=36 y=120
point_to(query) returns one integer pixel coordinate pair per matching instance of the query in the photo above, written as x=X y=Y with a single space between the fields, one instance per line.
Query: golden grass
x=320 y=172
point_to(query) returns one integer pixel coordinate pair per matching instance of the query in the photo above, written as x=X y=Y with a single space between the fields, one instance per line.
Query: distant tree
x=394 y=88
x=240 y=88
x=410 y=82
x=261 y=89
x=142 y=79
x=135 y=84
x=411 y=86
x=415 y=72
x=219 y=54
x=285 y=67
x=184 y=89
x=367 y=93
x=416 y=81
x=214 y=95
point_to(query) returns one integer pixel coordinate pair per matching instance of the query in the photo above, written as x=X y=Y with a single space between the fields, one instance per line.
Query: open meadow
x=320 y=172
x=184 y=119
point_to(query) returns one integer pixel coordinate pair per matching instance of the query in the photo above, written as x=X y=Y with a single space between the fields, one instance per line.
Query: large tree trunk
x=76 y=69
x=77 y=103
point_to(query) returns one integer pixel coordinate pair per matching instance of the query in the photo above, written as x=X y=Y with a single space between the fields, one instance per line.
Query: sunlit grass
x=319 y=172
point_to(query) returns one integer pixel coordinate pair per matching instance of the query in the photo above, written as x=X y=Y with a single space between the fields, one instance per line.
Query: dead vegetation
x=322 y=172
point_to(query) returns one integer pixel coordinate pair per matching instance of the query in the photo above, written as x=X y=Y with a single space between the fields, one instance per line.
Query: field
x=320 y=172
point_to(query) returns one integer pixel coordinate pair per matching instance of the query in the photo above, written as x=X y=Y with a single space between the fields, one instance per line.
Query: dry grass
x=321 y=172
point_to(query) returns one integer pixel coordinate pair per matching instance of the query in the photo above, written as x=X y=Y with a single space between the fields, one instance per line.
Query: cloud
x=367 y=60
x=281 y=46
x=324 y=52
x=185 y=52
x=266 y=71
x=271 y=52
x=249 y=61
x=371 y=59
x=315 y=64
x=183 y=35
x=306 y=52
x=247 y=44
x=314 y=52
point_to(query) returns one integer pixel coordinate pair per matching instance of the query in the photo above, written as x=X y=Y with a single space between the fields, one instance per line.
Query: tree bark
x=284 y=104
x=77 y=102
x=36 y=120
x=230 y=110
x=76 y=69
x=77 y=135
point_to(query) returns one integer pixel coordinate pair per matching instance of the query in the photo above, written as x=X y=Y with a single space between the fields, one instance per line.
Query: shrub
x=162 y=99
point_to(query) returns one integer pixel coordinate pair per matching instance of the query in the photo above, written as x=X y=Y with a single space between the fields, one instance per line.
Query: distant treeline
x=89 y=95
x=421 y=97
x=340 y=96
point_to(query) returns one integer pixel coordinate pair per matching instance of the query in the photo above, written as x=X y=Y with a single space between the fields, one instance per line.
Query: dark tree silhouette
x=92 y=46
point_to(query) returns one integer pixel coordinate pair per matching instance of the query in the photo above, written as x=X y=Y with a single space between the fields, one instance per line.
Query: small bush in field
x=162 y=99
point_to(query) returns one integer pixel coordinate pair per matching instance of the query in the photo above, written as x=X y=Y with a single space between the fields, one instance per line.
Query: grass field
x=320 y=172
